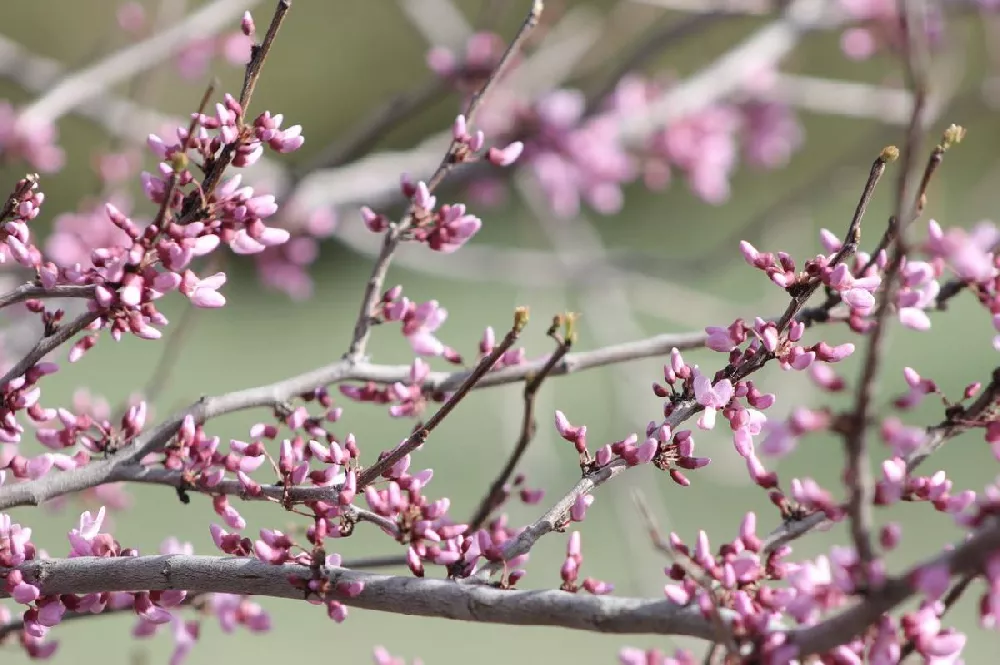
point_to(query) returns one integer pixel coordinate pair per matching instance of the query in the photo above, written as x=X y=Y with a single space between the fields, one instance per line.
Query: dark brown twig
x=858 y=474
x=419 y=435
x=258 y=56
x=49 y=343
x=168 y=197
x=32 y=291
x=494 y=496
x=24 y=186
x=260 y=52
x=852 y=239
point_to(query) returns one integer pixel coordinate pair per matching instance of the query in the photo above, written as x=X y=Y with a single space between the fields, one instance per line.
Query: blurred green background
x=333 y=63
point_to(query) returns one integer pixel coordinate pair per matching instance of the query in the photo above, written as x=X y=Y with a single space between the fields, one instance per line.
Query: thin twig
x=32 y=291
x=419 y=436
x=21 y=190
x=392 y=238
x=494 y=496
x=49 y=343
x=168 y=197
x=217 y=166
x=729 y=72
x=260 y=52
x=858 y=474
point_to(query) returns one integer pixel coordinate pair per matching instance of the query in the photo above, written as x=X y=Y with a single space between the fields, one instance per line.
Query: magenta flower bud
x=51 y=613
x=24 y=593
x=597 y=587
x=750 y=253
x=890 y=535
x=477 y=141
x=349 y=489
x=423 y=199
x=532 y=497
x=103 y=296
x=374 y=222
x=251 y=487
x=247 y=25
x=646 y=451
x=578 y=511
x=218 y=534
x=413 y=562
x=573 y=546
x=831 y=243
x=459 y=129
x=213 y=478
x=506 y=156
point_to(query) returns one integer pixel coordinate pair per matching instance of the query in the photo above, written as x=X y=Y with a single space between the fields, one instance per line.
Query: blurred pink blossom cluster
x=576 y=152
x=876 y=25
x=194 y=61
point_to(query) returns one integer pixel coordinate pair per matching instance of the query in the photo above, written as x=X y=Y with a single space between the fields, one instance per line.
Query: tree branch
x=384 y=593
x=49 y=343
x=116 y=468
x=32 y=291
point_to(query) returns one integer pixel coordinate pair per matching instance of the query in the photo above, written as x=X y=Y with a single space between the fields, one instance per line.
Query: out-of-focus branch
x=659 y=38
x=439 y=21
x=729 y=73
x=845 y=98
x=122 y=65
x=735 y=7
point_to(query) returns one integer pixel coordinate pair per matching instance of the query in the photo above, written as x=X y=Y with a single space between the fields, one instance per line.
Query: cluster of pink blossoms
x=764 y=596
x=142 y=264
